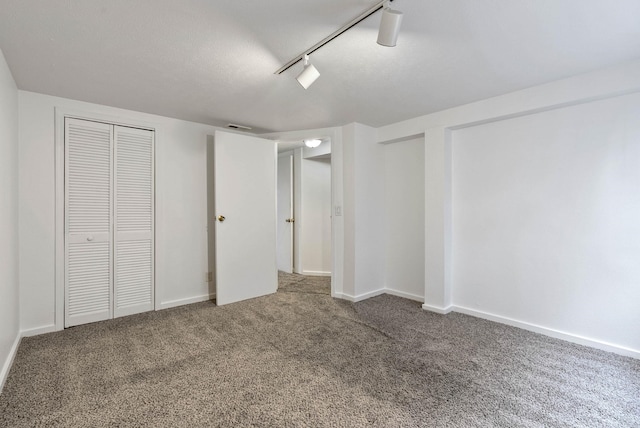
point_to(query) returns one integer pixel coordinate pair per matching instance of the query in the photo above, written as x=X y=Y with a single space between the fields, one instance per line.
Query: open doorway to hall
x=304 y=228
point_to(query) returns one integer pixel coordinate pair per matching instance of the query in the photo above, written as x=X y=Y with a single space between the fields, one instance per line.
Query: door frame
x=337 y=196
x=291 y=155
x=302 y=160
x=60 y=113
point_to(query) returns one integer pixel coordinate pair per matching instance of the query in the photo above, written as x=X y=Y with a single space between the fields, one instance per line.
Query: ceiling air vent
x=240 y=127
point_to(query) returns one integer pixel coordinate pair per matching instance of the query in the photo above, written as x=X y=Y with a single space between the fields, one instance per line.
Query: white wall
x=362 y=265
x=348 y=211
x=404 y=212
x=370 y=223
x=181 y=206
x=546 y=211
x=565 y=306
x=9 y=291
x=364 y=236
x=315 y=218
x=337 y=224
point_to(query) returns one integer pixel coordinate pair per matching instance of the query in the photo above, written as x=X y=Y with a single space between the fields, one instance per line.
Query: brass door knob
x=221 y=218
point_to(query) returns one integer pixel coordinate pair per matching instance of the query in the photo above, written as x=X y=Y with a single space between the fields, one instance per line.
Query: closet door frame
x=60 y=113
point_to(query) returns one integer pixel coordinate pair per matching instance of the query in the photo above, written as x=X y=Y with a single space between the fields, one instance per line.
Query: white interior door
x=245 y=203
x=134 y=221
x=285 y=213
x=88 y=219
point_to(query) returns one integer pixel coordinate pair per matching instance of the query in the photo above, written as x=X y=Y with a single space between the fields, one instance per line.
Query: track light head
x=308 y=75
x=389 y=26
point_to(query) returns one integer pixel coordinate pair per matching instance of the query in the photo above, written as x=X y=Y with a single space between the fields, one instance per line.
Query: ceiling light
x=308 y=75
x=312 y=143
x=389 y=26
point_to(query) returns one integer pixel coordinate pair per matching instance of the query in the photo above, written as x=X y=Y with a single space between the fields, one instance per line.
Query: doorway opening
x=304 y=229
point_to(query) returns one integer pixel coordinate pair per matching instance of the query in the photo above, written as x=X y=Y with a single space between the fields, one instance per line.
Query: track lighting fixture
x=309 y=73
x=387 y=36
x=312 y=143
x=389 y=26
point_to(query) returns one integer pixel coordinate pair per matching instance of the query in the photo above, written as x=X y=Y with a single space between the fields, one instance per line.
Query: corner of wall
x=368 y=164
x=9 y=226
x=6 y=367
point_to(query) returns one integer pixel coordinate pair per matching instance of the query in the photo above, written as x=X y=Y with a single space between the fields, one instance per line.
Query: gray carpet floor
x=295 y=283
x=296 y=358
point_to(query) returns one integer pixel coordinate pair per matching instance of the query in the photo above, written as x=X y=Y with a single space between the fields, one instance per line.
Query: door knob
x=221 y=218
x=89 y=238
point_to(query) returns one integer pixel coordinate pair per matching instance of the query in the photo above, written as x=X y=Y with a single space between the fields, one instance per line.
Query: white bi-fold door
x=109 y=221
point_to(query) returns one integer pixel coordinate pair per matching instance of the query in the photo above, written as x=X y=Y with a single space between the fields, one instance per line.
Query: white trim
x=369 y=295
x=296 y=208
x=437 y=309
x=38 y=330
x=59 y=219
x=186 y=301
x=359 y=297
x=9 y=361
x=404 y=294
x=315 y=273
x=379 y=292
x=569 y=337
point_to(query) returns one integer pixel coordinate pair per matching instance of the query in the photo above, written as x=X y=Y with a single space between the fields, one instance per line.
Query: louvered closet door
x=134 y=221
x=88 y=196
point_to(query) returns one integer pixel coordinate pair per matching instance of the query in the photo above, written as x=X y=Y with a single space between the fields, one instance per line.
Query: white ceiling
x=213 y=61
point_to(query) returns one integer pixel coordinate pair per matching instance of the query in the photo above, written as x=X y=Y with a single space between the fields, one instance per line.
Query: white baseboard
x=365 y=296
x=38 y=330
x=359 y=297
x=6 y=367
x=186 y=301
x=569 y=337
x=406 y=295
x=315 y=273
x=437 y=309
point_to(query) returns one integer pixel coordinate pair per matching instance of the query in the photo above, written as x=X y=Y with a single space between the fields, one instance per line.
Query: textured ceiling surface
x=213 y=61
